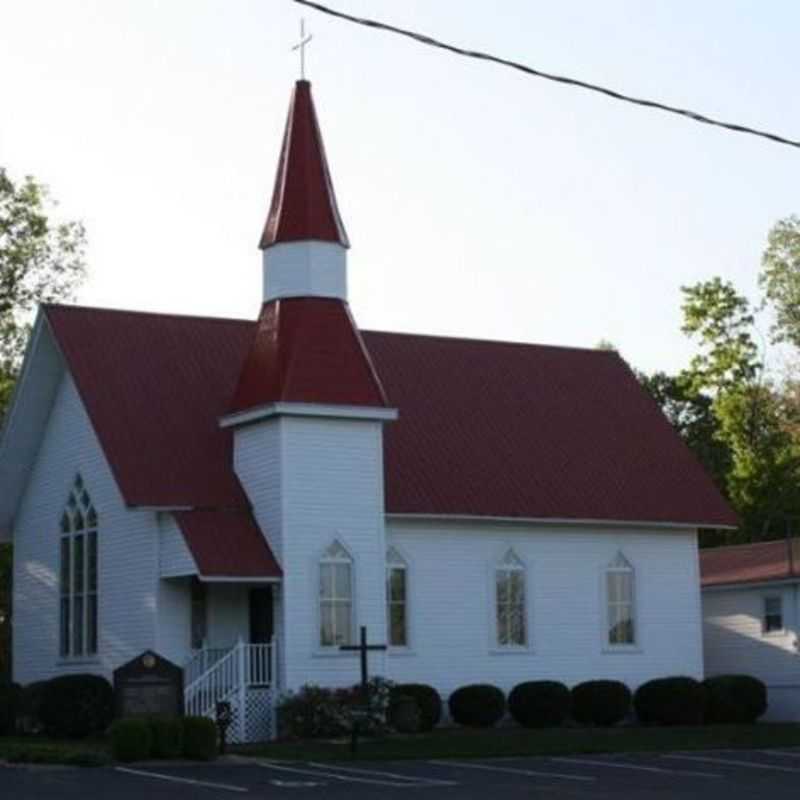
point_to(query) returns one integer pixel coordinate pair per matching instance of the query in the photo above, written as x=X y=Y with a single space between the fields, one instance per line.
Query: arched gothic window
x=620 y=602
x=396 y=598
x=78 y=574
x=510 y=600
x=335 y=597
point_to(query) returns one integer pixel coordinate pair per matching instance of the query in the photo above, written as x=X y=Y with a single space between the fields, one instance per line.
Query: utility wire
x=431 y=42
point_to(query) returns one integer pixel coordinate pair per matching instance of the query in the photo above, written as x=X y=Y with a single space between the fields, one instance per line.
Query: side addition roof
x=756 y=562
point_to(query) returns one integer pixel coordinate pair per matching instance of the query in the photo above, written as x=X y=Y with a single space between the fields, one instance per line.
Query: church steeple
x=304 y=239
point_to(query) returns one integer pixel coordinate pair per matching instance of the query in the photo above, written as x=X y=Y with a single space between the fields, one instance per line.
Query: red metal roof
x=750 y=563
x=484 y=428
x=307 y=350
x=303 y=201
x=227 y=544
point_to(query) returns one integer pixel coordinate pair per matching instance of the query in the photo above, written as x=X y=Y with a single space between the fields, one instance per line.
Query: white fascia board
x=768 y=584
x=607 y=523
x=307 y=410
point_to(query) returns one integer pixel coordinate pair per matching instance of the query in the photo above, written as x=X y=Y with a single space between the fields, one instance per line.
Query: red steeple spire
x=303 y=202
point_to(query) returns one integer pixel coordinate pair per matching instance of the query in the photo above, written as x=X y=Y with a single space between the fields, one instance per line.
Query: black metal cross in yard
x=363 y=648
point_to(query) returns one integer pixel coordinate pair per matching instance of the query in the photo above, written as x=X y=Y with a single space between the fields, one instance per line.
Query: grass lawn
x=35 y=750
x=467 y=743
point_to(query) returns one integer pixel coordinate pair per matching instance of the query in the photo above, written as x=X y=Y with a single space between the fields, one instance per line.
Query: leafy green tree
x=691 y=413
x=780 y=279
x=762 y=480
x=41 y=261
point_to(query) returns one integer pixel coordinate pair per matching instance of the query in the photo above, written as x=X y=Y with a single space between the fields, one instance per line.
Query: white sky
x=479 y=202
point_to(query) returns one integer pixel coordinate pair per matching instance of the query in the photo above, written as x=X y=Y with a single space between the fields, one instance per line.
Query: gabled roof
x=303 y=201
x=486 y=429
x=307 y=350
x=756 y=562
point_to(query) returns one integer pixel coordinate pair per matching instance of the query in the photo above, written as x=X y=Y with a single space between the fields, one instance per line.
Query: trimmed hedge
x=539 y=704
x=478 y=705
x=199 y=738
x=671 y=701
x=30 y=707
x=167 y=735
x=600 y=702
x=428 y=700
x=10 y=697
x=403 y=714
x=75 y=706
x=735 y=699
x=131 y=739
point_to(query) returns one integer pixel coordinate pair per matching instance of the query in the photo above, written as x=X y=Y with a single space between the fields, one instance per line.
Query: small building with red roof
x=751 y=617
x=244 y=496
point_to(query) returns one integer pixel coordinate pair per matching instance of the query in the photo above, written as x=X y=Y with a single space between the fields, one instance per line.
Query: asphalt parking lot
x=713 y=775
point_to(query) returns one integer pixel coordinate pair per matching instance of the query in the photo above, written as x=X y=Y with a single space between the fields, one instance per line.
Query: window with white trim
x=620 y=603
x=335 y=597
x=396 y=598
x=78 y=575
x=510 y=601
x=773 y=614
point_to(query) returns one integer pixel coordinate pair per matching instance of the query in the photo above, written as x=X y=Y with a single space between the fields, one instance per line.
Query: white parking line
x=790 y=753
x=640 y=767
x=408 y=778
x=512 y=771
x=346 y=778
x=175 y=779
x=733 y=763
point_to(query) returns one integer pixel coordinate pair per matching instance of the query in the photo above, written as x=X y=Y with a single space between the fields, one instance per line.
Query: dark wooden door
x=261 y=624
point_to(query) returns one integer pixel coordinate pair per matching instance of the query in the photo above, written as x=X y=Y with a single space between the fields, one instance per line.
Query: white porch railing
x=242 y=676
x=201 y=661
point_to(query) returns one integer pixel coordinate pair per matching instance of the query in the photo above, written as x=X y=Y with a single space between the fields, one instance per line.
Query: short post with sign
x=224 y=718
x=363 y=649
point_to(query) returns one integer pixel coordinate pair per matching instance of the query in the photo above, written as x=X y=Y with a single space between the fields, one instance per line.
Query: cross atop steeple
x=301 y=46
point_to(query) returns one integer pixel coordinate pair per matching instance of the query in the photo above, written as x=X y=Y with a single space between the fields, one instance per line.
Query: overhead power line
x=592 y=87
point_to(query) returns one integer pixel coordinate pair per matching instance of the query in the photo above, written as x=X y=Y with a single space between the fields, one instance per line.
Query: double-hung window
x=773 y=614
x=335 y=597
x=620 y=603
x=396 y=599
x=510 y=601
x=78 y=575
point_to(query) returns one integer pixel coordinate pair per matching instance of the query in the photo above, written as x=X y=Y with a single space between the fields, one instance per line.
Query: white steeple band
x=305 y=269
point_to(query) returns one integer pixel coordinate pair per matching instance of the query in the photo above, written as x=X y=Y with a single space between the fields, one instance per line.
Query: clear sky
x=479 y=202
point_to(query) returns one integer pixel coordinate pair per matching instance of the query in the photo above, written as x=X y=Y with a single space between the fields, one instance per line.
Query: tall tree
x=763 y=478
x=41 y=261
x=780 y=279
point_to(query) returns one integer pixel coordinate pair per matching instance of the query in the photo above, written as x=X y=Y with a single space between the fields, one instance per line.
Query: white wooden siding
x=734 y=641
x=127 y=553
x=174 y=556
x=451 y=604
x=312 y=481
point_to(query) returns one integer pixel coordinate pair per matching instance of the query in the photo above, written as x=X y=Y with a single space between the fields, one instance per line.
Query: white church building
x=241 y=497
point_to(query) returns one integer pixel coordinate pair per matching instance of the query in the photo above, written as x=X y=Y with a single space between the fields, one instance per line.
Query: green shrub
x=315 y=712
x=478 y=705
x=670 y=701
x=539 y=704
x=735 y=699
x=10 y=696
x=74 y=706
x=600 y=702
x=428 y=700
x=167 y=734
x=30 y=717
x=199 y=738
x=131 y=739
x=404 y=714
x=86 y=758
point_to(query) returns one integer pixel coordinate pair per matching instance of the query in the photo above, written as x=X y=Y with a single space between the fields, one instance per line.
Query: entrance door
x=261 y=628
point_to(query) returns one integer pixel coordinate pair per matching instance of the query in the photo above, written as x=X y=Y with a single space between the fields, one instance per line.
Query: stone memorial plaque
x=149 y=684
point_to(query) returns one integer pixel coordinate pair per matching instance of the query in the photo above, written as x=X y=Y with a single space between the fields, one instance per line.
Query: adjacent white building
x=751 y=618
x=242 y=497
